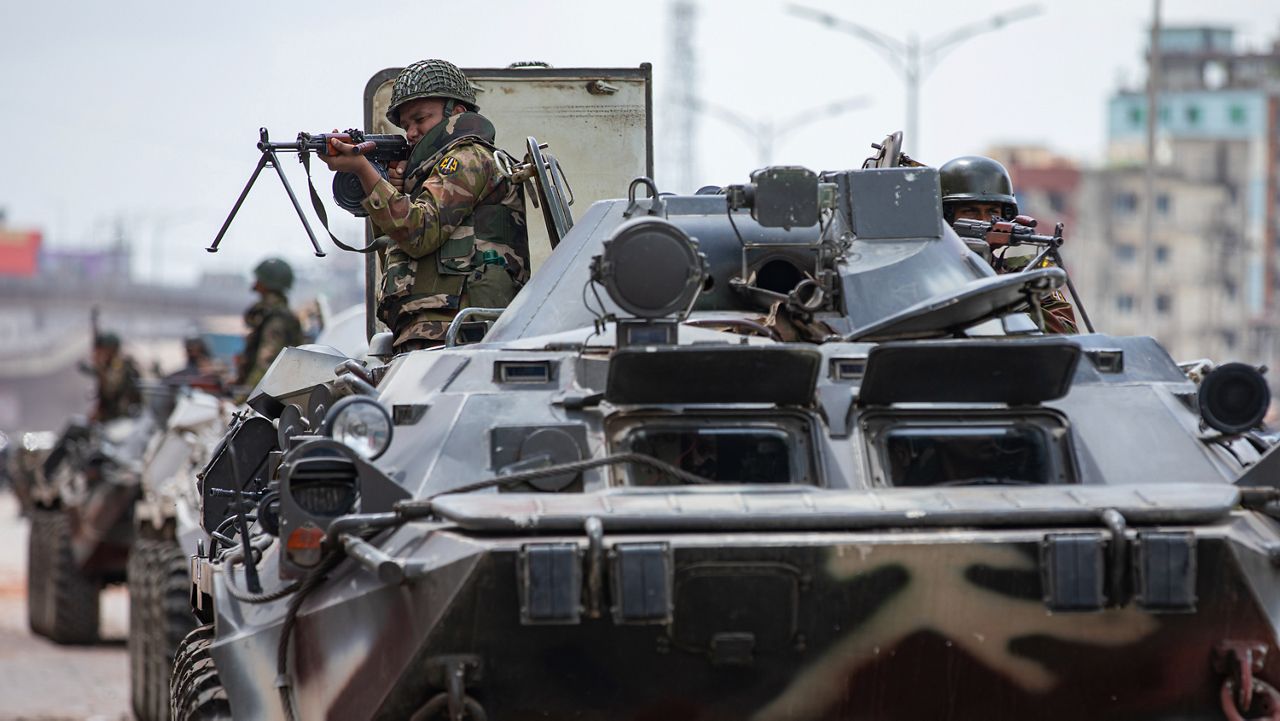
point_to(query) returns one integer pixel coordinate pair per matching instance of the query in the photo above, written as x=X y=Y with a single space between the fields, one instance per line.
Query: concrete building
x=1215 y=265
x=1216 y=194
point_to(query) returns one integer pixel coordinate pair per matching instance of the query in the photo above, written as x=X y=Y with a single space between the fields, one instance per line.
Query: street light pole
x=765 y=132
x=1147 y=298
x=912 y=58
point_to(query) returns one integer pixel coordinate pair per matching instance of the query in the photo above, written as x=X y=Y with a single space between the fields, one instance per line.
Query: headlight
x=361 y=424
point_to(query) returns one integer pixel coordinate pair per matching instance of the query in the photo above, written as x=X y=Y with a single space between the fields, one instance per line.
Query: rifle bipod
x=269 y=158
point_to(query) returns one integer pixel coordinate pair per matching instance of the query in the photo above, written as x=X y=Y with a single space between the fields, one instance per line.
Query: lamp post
x=911 y=57
x=1147 y=299
x=765 y=132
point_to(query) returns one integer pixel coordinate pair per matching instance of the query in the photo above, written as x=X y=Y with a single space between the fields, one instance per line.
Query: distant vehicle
x=80 y=504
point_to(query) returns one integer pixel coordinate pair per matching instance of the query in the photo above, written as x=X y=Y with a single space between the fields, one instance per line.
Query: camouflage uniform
x=118 y=391
x=272 y=327
x=1059 y=316
x=459 y=233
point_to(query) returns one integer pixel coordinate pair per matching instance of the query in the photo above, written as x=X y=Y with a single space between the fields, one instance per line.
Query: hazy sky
x=148 y=111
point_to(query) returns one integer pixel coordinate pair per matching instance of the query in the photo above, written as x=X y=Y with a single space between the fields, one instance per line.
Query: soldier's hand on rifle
x=343 y=158
x=395 y=174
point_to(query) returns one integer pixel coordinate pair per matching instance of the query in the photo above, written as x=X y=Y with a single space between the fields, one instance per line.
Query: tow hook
x=452 y=672
x=1243 y=696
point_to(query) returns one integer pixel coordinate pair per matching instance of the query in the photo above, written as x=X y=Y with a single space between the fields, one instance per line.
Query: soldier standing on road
x=117 y=379
x=979 y=188
x=272 y=326
x=456 y=224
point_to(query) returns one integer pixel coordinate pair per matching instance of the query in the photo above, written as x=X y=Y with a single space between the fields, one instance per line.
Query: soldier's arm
x=448 y=197
x=1059 y=316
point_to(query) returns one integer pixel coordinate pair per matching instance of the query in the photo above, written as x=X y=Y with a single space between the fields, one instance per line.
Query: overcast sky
x=148 y=111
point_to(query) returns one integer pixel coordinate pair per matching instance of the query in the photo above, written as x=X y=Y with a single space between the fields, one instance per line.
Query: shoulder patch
x=447 y=165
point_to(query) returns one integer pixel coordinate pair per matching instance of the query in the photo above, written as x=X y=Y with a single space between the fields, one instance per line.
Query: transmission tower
x=678 y=152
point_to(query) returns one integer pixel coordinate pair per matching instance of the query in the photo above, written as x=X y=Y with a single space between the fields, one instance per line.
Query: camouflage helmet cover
x=430 y=79
x=274 y=274
x=977 y=179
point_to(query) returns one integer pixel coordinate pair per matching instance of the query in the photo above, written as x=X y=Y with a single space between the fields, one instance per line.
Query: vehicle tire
x=196 y=692
x=38 y=572
x=171 y=620
x=72 y=598
x=141 y=562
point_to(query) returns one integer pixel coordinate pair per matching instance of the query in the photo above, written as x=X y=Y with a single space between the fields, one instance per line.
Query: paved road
x=40 y=680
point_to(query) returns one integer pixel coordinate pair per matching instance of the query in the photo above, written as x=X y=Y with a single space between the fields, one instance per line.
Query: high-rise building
x=1215 y=260
x=1216 y=227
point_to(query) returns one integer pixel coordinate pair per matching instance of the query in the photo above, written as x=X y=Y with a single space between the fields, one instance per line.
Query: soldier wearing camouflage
x=978 y=188
x=272 y=326
x=117 y=379
x=457 y=226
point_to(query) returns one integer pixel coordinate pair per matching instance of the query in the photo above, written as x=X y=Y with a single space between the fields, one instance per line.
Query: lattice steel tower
x=679 y=157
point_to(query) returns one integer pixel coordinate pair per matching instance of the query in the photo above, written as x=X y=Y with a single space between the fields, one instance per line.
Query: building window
x=1162 y=204
x=1125 y=202
x=1136 y=116
x=1165 y=114
x=1229 y=288
x=1238 y=115
x=1229 y=339
x=1057 y=202
x=1193 y=115
x=1164 y=303
x=1126 y=253
x=1124 y=303
x=1162 y=254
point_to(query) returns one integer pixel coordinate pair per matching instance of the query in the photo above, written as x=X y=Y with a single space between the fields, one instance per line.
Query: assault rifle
x=347 y=192
x=1019 y=231
x=1022 y=231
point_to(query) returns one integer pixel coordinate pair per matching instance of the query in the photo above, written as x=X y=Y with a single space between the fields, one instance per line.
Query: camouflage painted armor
x=459 y=232
x=118 y=391
x=272 y=326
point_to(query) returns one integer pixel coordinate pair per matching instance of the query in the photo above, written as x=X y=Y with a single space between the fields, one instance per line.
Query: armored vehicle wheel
x=38 y=544
x=71 y=600
x=169 y=621
x=136 y=642
x=195 y=691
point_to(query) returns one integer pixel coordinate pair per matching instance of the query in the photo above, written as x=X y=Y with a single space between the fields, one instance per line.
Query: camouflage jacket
x=118 y=390
x=1059 y=315
x=459 y=232
x=272 y=327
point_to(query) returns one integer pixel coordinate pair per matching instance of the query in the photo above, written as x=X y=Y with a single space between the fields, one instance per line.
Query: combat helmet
x=430 y=79
x=274 y=274
x=106 y=340
x=976 y=179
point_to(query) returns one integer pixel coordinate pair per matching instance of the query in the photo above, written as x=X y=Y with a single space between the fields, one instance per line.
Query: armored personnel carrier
x=789 y=451
x=81 y=498
x=166 y=534
x=166 y=517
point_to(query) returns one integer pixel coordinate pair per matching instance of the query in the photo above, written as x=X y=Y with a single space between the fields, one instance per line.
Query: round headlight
x=650 y=268
x=361 y=424
x=1234 y=398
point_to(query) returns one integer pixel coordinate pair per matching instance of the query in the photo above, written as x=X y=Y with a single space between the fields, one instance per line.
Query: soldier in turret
x=979 y=188
x=117 y=376
x=456 y=224
x=272 y=326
